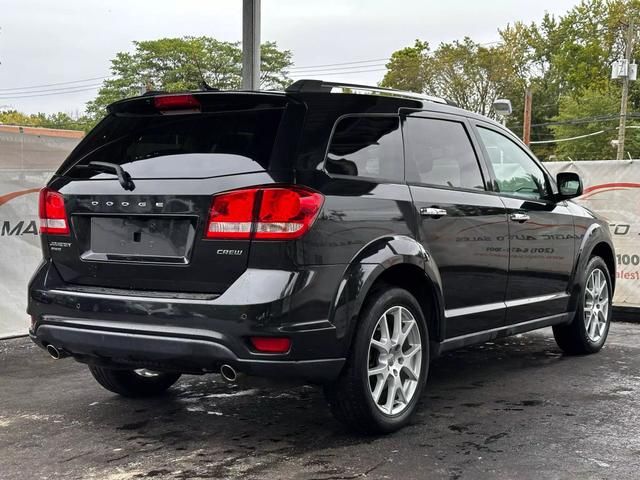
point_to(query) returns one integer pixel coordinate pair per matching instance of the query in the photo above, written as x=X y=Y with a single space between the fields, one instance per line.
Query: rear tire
x=381 y=384
x=588 y=331
x=133 y=383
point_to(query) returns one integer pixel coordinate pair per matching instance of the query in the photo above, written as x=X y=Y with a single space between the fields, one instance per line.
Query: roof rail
x=308 y=85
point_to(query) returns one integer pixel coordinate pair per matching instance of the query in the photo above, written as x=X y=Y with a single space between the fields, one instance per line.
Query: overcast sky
x=47 y=42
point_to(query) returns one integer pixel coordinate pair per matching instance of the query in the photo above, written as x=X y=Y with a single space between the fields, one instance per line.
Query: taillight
x=53 y=216
x=286 y=212
x=184 y=103
x=267 y=213
x=231 y=214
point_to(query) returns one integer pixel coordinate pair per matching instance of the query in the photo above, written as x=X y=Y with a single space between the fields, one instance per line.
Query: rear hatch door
x=153 y=236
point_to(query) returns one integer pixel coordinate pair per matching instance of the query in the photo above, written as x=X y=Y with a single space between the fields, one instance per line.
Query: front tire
x=133 y=383
x=380 y=386
x=588 y=331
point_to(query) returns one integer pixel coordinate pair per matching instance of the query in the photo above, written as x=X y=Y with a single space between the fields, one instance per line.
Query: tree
x=13 y=117
x=406 y=68
x=570 y=58
x=592 y=37
x=581 y=116
x=530 y=50
x=178 y=64
x=469 y=74
x=58 y=120
x=566 y=57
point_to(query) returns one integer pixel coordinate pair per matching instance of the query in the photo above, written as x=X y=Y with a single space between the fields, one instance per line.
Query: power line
x=47 y=90
x=26 y=92
x=306 y=69
x=312 y=74
x=51 y=84
x=386 y=59
x=83 y=89
x=309 y=69
x=340 y=68
x=560 y=140
x=578 y=121
x=339 y=64
x=599 y=132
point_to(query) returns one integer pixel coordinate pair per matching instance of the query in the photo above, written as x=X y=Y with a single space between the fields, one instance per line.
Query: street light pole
x=625 y=90
x=250 y=44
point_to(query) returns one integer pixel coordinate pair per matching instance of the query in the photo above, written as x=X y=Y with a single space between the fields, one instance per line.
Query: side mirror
x=569 y=185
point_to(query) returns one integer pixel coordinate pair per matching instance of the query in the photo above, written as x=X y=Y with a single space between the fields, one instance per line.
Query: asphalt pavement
x=511 y=409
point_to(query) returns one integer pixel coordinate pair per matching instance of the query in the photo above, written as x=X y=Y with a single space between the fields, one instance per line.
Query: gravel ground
x=513 y=409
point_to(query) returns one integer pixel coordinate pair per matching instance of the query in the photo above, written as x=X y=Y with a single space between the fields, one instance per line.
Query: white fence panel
x=28 y=157
x=19 y=245
x=612 y=189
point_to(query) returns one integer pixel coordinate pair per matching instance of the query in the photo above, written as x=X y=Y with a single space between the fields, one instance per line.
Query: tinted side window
x=439 y=152
x=364 y=146
x=516 y=173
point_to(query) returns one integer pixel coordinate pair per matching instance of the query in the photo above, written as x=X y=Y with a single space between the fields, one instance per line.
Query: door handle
x=433 y=212
x=519 y=217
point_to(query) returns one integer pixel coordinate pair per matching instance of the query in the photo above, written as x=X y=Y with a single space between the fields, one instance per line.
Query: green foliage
x=565 y=61
x=56 y=120
x=592 y=103
x=406 y=68
x=179 y=64
x=465 y=72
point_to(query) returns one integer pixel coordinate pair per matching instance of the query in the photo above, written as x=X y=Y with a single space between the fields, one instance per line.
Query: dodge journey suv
x=336 y=234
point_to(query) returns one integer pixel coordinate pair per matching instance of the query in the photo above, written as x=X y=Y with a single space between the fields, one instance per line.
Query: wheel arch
x=596 y=241
x=605 y=251
x=413 y=279
x=395 y=260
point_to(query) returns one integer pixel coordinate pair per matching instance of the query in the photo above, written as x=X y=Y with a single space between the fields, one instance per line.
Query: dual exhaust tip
x=56 y=353
x=228 y=373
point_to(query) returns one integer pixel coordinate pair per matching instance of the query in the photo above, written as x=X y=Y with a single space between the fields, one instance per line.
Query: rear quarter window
x=366 y=146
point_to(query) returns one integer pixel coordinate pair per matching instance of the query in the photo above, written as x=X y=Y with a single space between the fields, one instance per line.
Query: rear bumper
x=174 y=354
x=130 y=330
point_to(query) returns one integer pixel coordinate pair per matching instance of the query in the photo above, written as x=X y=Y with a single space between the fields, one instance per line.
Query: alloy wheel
x=395 y=360
x=596 y=305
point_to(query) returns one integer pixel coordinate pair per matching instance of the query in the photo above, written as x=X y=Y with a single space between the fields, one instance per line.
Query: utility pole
x=625 y=89
x=526 y=123
x=250 y=44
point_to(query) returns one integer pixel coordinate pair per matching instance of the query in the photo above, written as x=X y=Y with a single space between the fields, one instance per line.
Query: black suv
x=337 y=234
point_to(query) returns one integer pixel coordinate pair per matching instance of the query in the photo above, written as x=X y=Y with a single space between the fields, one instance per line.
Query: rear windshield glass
x=201 y=144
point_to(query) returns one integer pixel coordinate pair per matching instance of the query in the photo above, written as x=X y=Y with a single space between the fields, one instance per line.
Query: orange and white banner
x=612 y=189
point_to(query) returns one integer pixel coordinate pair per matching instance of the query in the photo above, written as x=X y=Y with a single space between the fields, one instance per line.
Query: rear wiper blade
x=107 y=167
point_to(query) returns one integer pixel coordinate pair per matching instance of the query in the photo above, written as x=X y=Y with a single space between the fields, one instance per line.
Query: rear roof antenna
x=206 y=87
x=203 y=83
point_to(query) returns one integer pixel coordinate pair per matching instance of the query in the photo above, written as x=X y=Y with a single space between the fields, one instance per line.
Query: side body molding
x=367 y=266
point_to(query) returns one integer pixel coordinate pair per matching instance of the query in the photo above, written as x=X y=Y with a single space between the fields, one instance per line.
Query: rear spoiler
x=210 y=101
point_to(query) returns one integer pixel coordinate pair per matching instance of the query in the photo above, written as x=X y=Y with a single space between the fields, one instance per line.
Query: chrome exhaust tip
x=56 y=353
x=228 y=373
